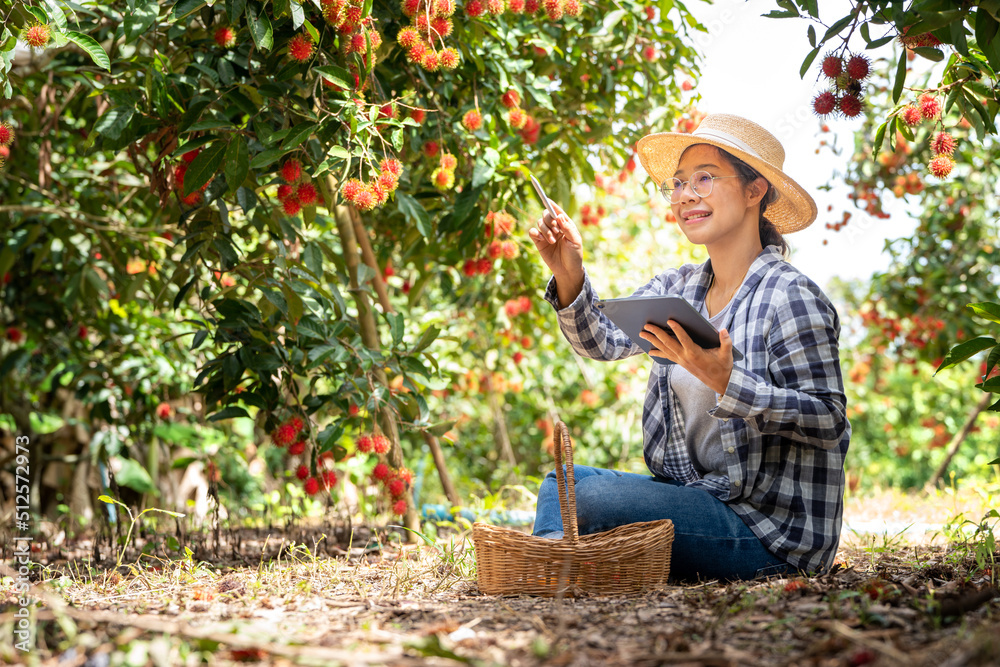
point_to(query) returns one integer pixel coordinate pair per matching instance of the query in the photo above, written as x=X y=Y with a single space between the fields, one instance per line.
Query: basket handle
x=567 y=490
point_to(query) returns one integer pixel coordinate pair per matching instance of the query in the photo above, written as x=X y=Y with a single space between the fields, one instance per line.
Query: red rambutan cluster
x=367 y=195
x=845 y=93
x=443 y=178
x=518 y=306
x=287 y=432
x=6 y=139
x=500 y=224
x=431 y=23
x=530 y=130
x=475 y=267
x=297 y=191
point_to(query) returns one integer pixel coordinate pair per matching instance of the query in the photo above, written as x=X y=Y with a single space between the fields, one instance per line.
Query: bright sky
x=751 y=68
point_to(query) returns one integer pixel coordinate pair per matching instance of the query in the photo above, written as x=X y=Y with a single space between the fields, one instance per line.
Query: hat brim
x=794 y=209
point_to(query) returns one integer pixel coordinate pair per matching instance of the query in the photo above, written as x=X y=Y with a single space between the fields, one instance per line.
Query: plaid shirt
x=784 y=429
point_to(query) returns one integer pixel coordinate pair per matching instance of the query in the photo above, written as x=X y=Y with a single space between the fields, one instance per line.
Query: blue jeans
x=710 y=539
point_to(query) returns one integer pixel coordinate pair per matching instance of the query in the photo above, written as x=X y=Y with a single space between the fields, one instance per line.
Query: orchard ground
x=310 y=595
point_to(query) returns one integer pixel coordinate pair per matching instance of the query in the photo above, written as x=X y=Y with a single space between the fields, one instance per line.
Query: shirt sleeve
x=588 y=330
x=806 y=400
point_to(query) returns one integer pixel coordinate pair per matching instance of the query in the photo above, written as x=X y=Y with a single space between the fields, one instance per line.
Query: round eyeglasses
x=701 y=184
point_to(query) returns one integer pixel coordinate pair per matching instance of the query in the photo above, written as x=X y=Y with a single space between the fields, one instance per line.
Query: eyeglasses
x=701 y=184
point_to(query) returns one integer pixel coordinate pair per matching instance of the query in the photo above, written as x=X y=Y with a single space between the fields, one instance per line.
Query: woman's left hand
x=711 y=366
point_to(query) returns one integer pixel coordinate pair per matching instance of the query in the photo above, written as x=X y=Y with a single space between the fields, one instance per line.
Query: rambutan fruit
x=531 y=7
x=291 y=170
x=443 y=179
x=911 y=115
x=191 y=155
x=503 y=224
x=306 y=194
x=509 y=249
x=300 y=47
x=192 y=199
x=443 y=8
x=312 y=486
x=824 y=103
x=469 y=268
x=356 y=43
x=297 y=447
x=850 y=106
x=364 y=444
x=381 y=472
x=225 y=37
x=442 y=27
x=397 y=487
x=423 y=25
x=430 y=148
x=449 y=58
x=406 y=475
x=474 y=8
x=449 y=161
x=37 y=36
x=516 y=118
x=650 y=54
x=495 y=249
x=571 y=7
x=297 y=424
x=431 y=61
x=388 y=181
x=291 y=206
x=388 y=110
x=392 y=166
x=472 y=120
x=365 y=199
x=511 y=99
x=283 y=435
x=302 y=472
x=285 y=191
x=380 y=443
x=353 y=14
x=484 y=265
x=496 y=7
x=516 y=6
x=351 y=189
x=943 y=144
x=418 y=115
x=329 y=479
x=375 y=38
x=399 y=508
x=930 y=107
x=14 y=335
x=525 y=303
x=941 y=166
x=858 y=67
x=380 y=191
x=553 y=9
x=417 y=52
x=408 y=37
x=6 y=134
x=832 y=66
x=411 y=7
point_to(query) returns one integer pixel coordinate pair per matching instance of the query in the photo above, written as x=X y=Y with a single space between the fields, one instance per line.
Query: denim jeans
x=710 y=539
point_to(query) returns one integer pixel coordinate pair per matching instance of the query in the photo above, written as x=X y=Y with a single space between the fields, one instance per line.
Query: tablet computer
x=632 y=313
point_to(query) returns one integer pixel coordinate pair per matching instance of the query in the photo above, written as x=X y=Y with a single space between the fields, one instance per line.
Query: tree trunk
x=439 y=462
x=957 y=441
x=361 y=234
x=369 y=335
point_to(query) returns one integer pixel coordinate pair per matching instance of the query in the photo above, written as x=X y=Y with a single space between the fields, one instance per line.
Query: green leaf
x=929 y=52
x=881 y=41
x=992 y=359
x=39 y=14
x=312 y=257
x=990 y=311
x=226 y=251
x=90 y=45
x=237 y=163
x=414 y=212
x=811 y=34
x=234 y=9
x=838 y=26
x=261 y=31
x=298 y=134
x=135 y=477
x=897 y=87
x=614 y=18
x=199 y=338
x=879 y=138
x=396 y=326
x=334 y=74
x=807 y=62
x=294 y=302
x=987 y=29
x=270 y=156
x=203 y=167
x=229 y=412
x=963 y=351
x=185 y=7
x=114 y=121
x=140 y=20
x=429 y=336
x=110 y=501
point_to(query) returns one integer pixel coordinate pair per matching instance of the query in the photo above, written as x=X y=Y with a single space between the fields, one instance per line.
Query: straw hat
x=793 y=210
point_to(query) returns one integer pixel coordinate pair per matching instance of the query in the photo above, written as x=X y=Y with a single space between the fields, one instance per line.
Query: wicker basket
x=625 y=560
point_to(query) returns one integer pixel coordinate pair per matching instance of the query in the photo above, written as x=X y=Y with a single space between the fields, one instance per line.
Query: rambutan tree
x=279 y=184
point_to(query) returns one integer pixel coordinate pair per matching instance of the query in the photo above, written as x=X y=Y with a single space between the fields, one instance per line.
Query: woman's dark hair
x=769 y=234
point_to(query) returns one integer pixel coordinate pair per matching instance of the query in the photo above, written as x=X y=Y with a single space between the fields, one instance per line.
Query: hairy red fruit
x=943 y=144
x=418 y=115
x=300 y=47
x=553 y=9
x=448 y=161
x=449 y=58
x=850 y=106
x=930 y=107
x=911 y=115
x=431 y=61
x=283 y=435
x=524 y=302
x=392 y=166
x=297 y=447
x=472 y=120
x=441 y=26
x=496 y=7
x=572 y=7
x=397 y=487
x=531 y=8
x=291 y=206
x=364 y=444
x=388 y=110
x=352 y=189
x=192 y=199
x=380 y=192
x=380 y=444
x=14 y=335
x=833 y=66
x=417 y=52
x=190 y=156
x=517 y=118
x=291 y=170
x=312 y=486
x=365 y=199
x=329 y=479
x=824 y=103
x=941 y=166
x=6 y=134
x=399 y=507
x=307 y=194
x=164 y=411
x=503 y=223
x=297 y=424
x=411 y=7
x=495 y=249
x=381 y=472
x=517 y=357
x=469 y=268
x=408 y=37
x=475 y=8
x=858 y=67
x=285 y=191
x=37 y=36
x=430 y=148
x=225 y=37
x=388 y=181
x=302 y=472
x=510 y=99
x=509 y=249
x=357 y=43
x=516 y=6
x=484 y=265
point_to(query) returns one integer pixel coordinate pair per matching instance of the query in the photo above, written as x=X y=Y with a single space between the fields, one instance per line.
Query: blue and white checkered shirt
x=784 y=429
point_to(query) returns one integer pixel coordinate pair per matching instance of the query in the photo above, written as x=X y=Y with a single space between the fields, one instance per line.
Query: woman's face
x=724 y=211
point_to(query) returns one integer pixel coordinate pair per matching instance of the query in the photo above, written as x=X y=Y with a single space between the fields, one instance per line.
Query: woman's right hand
x=559 y=243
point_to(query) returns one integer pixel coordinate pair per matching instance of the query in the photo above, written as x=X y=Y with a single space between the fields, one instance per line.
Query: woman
x=746 y=458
